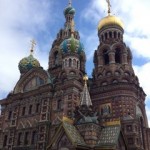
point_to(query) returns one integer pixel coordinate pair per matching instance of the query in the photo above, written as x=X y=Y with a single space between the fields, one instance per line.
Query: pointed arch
x=26 y=78
x=21 y=125
x=28 y=124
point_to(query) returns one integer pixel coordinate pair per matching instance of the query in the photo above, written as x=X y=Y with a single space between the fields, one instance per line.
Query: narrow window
x=9 y=114
x=30 y=109
x=115 y=35
x=37 y=107
x=105 y=36
x=23 y=111
x=106 y=57
x=110 y=34
x=26 y=139
x=119 y=35
x=70 y=62
x=59 y=103
x=19 y=138
x=74 y=63
x=34 y=137
x=117 y=56
x=5 y=140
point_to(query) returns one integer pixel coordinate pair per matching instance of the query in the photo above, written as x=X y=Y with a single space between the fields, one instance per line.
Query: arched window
x=33 y=83
x=119 y=35
x=59 y=104
x=70 y=62
x=110 y=34
x=105 y=36
x=65 y=62
x=19 y=138
x=117 y=56
x=74 y=63
x=106 y=57
x=30 y=109
x=5 y=140
x=26 y=139
x=115 y=35
x=34 y=137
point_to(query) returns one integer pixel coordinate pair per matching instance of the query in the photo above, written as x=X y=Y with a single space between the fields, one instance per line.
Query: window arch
x=119 y=35
x=106 y=36
x=74 y=62
x=115 y=34
x=110 y=34
x=33 y=83
x=70 y=62
x=118 y=56
x=106 y=57
x=59 y=104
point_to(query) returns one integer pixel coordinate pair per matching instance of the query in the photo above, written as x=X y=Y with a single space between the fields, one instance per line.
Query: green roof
x=109 y=136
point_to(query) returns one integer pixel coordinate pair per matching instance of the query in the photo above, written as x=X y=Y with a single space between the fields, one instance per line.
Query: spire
x=33 y=43
x=86 y=99
x=70 y=3
x=109 y=6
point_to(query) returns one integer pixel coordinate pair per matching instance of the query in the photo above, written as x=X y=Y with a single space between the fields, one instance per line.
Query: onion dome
x=69 y=10
x=28 y=63
x=110 y=20
x=72 y=45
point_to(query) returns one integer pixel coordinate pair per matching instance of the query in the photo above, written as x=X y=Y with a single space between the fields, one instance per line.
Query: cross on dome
x=70 y=3
x=33 y=43
x=109 y=6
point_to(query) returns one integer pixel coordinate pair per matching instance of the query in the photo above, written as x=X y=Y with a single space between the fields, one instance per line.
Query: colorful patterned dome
x=69 y=10
x=72 y=45
x=28 y=63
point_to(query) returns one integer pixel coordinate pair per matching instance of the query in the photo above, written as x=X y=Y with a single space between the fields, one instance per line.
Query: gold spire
x=85 y=98
x=70 y=3
x=109 y=6
x=33 y=43
x=85 y=78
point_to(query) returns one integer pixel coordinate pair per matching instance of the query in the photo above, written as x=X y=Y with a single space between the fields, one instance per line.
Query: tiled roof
x=109 y=135
x=73 y=134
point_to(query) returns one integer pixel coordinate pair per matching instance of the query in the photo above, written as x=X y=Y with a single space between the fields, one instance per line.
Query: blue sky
x=21 y=21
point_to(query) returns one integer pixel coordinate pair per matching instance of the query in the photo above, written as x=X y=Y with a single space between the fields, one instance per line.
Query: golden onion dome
x=110 y=20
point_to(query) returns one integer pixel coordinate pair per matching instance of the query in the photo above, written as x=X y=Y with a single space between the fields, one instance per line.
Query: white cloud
x=20 y=22
x=134 y=14
x=148 y=114
x=143 y=73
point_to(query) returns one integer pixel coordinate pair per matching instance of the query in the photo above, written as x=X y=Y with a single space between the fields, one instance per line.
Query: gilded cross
x=33 y=43
x=109 y=6
x=70 y=2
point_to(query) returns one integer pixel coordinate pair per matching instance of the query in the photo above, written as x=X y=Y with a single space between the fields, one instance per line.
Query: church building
x=61 y=109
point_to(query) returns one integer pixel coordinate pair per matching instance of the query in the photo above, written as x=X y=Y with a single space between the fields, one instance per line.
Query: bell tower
x=115 y=89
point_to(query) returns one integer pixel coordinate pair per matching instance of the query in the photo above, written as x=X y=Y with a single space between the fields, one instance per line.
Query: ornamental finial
x=33 y=43
x=109 y=6
x=85 y=78
x=70 y=3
